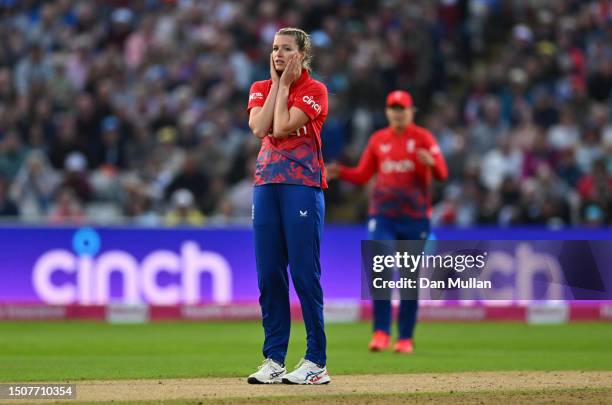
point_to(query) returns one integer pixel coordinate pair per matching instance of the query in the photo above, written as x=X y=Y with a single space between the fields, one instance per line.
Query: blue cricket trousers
x=288 y=223
x=383 y=228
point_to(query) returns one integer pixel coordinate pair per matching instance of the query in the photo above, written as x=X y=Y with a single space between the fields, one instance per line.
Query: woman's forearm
x=260 y=123
x=281 y=113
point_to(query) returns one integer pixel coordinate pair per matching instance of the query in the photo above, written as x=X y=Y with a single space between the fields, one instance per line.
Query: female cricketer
x=287 y=113
x=405 y=157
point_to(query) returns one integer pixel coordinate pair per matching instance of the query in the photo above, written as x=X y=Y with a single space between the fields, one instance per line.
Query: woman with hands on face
x=287 y=113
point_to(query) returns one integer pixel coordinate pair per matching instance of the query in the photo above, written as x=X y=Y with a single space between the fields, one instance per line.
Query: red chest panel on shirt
x=402 y=182
x=397 y=157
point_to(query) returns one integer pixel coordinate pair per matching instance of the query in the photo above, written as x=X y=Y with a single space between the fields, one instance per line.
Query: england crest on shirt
x=410 y=145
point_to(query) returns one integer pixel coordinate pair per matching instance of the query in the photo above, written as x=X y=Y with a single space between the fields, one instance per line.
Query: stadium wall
x=204 y=274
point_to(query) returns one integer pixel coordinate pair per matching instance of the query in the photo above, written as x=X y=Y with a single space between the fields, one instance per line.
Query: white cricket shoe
x=270 y=372
x=307 y=372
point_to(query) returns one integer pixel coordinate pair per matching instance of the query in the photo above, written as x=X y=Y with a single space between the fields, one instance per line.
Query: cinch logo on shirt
x=397 y=166
x=255 y=96
x=310 y=101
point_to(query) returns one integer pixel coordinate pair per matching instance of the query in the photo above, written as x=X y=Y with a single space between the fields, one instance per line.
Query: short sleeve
x=312 y=100
x=440 y=170
x=257 y=95
x=431 y=144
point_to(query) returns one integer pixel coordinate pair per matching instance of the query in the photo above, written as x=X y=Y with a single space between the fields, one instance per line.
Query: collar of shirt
x=301 y=80
x=406 y=130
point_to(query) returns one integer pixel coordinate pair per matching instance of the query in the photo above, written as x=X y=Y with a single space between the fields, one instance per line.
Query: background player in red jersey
x=287 y=113
x=405 y=158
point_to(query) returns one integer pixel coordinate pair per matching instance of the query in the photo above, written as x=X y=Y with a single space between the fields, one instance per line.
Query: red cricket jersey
x=402 y=181
x=297 y=158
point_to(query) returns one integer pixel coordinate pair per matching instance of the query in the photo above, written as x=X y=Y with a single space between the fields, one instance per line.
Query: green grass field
x=31 y=351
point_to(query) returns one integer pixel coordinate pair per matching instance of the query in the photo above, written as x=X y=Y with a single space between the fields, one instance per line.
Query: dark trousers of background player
x=288 y=223
x=383 y=228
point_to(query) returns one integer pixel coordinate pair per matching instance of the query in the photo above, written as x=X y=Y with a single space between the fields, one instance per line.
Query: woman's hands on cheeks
x=292 y=71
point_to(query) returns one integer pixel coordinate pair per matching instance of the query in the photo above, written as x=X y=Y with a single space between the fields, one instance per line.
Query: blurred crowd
x=134 y=111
